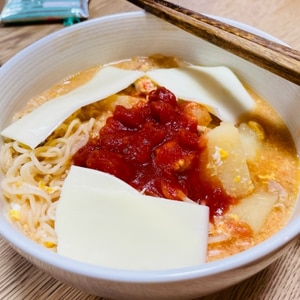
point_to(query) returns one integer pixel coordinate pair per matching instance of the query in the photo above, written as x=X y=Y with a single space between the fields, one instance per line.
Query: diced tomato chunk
x=109 y=162
x=163 y=95
x=155 y=147
x=131 y=117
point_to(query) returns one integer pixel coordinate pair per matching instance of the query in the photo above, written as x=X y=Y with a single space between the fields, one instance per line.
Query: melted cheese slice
x=103 y=221
x=35 y=127
x=216 y=87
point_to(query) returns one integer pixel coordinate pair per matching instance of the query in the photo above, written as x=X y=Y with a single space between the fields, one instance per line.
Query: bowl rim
x=34 y=251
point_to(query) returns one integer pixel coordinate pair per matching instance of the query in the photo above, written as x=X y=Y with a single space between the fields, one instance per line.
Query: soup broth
x=33 y=178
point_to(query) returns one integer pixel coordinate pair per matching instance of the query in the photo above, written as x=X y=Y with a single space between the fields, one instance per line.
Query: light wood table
x=280 y=281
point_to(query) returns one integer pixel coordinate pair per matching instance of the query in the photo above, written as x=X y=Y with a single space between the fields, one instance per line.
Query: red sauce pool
x=156 y=148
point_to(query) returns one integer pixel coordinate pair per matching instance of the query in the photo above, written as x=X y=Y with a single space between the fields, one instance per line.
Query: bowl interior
x=114 y=38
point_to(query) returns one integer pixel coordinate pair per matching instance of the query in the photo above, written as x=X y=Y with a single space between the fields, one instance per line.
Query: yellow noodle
x=34 y=177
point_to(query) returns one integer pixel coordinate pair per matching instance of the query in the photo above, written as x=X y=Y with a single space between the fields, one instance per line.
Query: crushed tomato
x=155 y=147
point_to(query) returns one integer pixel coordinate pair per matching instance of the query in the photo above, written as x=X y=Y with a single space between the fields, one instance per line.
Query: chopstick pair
x=274 y=57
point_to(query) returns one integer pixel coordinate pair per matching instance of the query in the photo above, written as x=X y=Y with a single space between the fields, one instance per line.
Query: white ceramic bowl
x=118 y=37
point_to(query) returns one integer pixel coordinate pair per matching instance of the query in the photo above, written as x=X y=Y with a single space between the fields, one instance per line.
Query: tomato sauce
x=155 y=147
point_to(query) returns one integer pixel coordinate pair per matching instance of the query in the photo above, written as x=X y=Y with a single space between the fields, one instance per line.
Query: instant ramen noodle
x=164 y=140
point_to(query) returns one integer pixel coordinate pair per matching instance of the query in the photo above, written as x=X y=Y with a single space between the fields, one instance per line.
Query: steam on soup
x=166 y=135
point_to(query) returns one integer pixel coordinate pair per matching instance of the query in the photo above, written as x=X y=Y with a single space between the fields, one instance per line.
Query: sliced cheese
x=116 y=227
x=216 y=87
x=36 y=126
x=93 y=178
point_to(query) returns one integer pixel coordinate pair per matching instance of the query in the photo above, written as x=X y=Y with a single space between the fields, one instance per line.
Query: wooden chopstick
x=274 y=57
